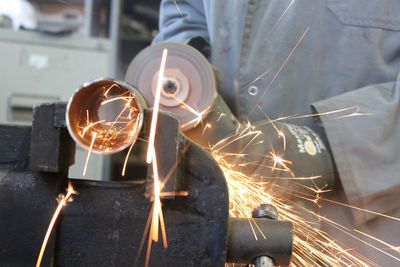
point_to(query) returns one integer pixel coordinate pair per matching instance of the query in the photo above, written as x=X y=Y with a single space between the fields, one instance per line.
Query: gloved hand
x=294 y=157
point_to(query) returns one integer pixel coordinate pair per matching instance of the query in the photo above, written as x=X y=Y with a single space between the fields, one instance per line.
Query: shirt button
x=252 y=90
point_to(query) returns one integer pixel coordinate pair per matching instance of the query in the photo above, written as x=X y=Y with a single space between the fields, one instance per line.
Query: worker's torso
x=283 y=55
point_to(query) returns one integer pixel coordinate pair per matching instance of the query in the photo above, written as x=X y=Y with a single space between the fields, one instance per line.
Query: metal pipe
x=105 y=115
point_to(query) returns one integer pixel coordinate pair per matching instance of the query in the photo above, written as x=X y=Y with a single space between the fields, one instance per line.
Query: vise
x=104 y=224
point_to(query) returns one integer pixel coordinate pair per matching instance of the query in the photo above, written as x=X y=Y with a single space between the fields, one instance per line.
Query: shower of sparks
x=62 y=202
x=311 y=245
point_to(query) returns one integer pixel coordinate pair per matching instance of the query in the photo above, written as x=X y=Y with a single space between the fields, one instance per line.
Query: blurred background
x=48 y=48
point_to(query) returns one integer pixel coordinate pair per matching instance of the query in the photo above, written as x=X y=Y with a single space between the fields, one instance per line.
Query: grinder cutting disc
x=188 y=88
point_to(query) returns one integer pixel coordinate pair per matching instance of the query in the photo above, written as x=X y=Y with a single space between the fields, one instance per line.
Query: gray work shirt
x=281 y=57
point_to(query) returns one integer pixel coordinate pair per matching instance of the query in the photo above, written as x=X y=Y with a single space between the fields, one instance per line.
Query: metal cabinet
x=36 y=69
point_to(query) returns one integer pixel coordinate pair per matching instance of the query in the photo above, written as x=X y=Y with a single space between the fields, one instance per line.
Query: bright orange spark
x=89 y=152
x=353 y=111
x=312 y=246
x=199 y=115
x=157 y=219
x=90 y=125
x=62 y=202
x=156 y=107
x=117 y=98
x=392 y=247
x=206 y=127
x=173 y=194
x=221 y=116
x=126 y=159
x=363 y=210
x=150 y=217
x=129 y=152
x=278 y=160
x=252 y=229
x=109 y=89
x=255 y=223
x=279 y=132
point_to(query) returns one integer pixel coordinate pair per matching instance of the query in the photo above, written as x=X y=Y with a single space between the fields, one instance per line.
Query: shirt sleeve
x=181 y=20
x=366 y=145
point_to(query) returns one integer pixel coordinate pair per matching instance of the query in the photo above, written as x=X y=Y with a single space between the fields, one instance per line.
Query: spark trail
x=62 y=202
x=157 y=217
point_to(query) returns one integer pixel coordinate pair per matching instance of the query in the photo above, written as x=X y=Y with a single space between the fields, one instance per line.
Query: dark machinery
x=104 y=224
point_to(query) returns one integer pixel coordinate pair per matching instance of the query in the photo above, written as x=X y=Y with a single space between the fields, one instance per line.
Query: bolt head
x=267 y=211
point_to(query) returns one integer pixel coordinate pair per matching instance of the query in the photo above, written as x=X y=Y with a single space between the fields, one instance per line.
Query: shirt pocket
x=383 y=14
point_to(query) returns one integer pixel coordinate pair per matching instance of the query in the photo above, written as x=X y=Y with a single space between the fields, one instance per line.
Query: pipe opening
x=105 y=115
